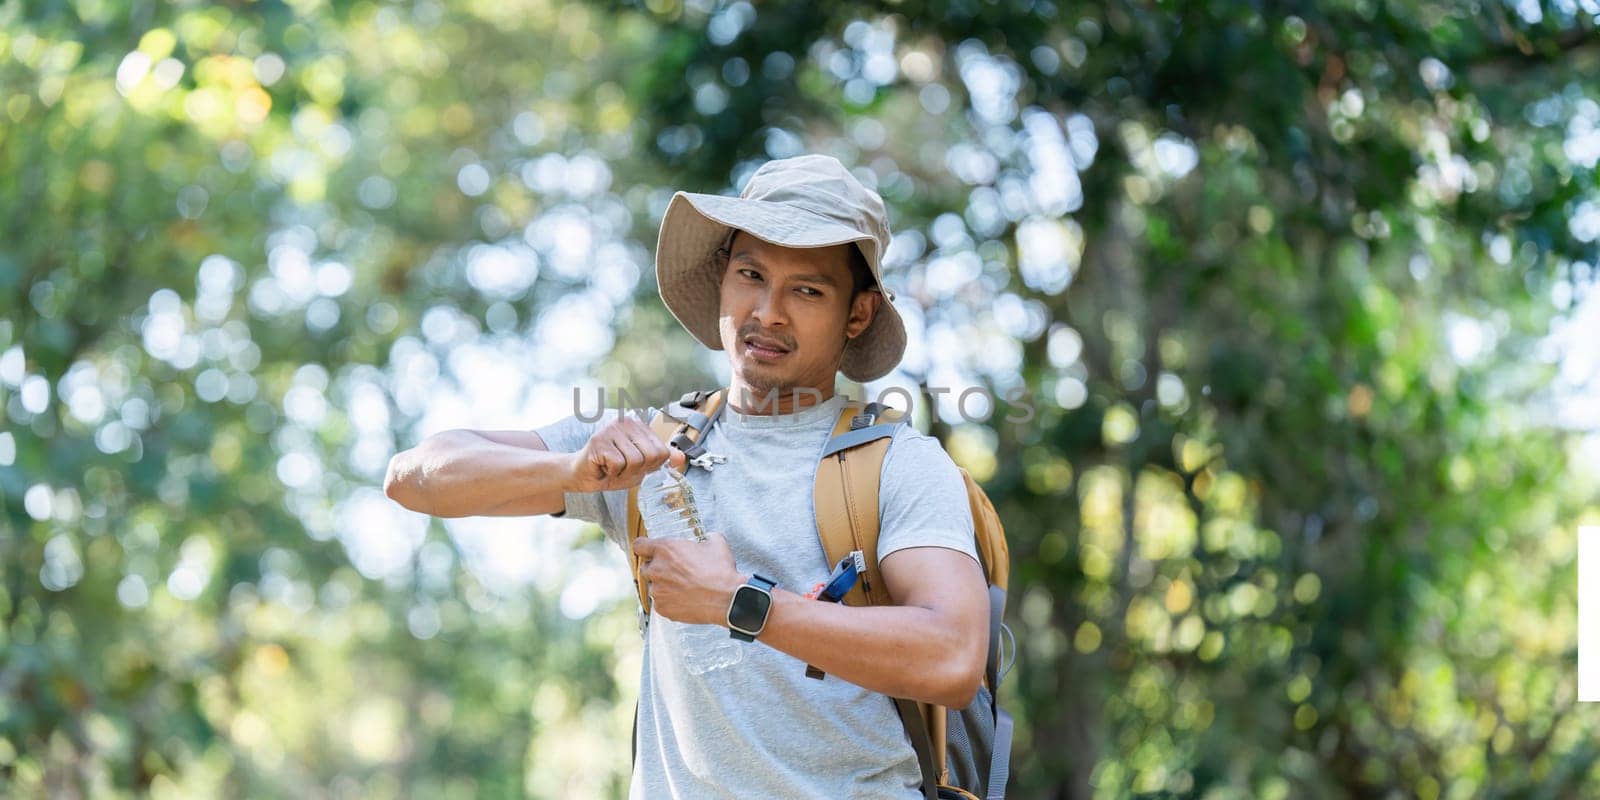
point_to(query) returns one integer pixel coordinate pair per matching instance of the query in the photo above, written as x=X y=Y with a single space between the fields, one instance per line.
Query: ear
x=862 y=311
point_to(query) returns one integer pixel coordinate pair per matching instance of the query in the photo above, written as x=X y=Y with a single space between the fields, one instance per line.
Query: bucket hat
x=801 y=202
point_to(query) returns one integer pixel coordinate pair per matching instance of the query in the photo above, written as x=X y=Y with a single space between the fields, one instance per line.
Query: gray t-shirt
x=761 y=728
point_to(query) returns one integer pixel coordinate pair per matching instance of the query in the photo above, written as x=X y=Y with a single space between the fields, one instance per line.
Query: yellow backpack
x=963 y=753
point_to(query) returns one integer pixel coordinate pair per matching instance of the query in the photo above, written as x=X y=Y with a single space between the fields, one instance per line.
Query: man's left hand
x=691 y=582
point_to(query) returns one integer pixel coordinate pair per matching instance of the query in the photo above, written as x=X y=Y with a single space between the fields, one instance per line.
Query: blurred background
x=1298 y=294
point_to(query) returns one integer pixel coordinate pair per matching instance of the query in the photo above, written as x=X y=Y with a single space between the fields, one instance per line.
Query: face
x=787 y=314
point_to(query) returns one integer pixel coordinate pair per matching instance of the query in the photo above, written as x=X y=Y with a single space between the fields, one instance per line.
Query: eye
x=812 y=292
x=751 y=274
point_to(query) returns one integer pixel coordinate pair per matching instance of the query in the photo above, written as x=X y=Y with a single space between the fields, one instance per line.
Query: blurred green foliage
x=1293 y=515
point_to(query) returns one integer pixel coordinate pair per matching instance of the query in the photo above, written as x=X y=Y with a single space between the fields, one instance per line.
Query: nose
x=769 y=310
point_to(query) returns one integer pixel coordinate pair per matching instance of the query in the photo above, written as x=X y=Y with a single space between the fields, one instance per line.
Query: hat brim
x=690 y=277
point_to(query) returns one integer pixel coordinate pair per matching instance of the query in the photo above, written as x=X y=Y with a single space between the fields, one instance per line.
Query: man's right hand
x=619 y=455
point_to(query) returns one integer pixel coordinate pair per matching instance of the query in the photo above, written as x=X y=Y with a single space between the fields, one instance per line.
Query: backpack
x=963 y=753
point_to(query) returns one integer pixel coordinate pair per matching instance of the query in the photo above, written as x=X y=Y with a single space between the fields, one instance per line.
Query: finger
x=635 y=430
x=637 y=463
x=653 y=449
x=602 y=453
x=599 y=459
x=615 y=460
x=645 y=547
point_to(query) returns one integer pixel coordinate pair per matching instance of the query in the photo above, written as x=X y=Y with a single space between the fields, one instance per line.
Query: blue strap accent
x=860 y=436
x=842 y=579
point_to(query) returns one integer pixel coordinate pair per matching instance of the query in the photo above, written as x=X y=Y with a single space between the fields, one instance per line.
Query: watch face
x=749 y=610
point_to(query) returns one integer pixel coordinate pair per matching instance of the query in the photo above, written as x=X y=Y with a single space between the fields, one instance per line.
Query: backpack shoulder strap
x=846 y=493
x=690 y=424
x=699 y=410
x=846 y=498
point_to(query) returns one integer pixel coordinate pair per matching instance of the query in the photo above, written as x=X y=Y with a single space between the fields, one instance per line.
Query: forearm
x=459 y=474
x=902 y=651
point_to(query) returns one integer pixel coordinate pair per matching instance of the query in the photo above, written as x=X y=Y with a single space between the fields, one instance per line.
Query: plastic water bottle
x=666 y=503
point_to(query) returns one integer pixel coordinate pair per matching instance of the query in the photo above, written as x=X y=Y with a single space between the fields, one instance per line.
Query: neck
x=751 y=401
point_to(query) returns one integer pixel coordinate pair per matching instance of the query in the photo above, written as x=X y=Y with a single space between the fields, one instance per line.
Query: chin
x=760 y=376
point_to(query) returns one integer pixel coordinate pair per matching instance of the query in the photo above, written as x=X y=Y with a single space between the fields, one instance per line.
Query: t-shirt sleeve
x=922 y=501
x=606 y=509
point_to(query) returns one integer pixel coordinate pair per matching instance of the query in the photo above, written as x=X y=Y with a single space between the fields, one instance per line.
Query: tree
x=1290 y=517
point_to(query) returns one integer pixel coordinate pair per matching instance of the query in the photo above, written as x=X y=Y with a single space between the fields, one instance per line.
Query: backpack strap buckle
x=869 y=414
x=707 y=460
x=695 y=398
x=696 y=424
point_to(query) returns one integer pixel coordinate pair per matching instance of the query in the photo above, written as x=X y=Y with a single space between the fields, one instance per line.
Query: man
x=786 y=279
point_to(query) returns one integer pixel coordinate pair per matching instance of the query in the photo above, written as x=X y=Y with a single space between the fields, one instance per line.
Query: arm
x=929 y=646
x=459 y=473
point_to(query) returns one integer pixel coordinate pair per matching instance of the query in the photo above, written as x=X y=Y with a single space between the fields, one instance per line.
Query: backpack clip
x=697 y=422
x=694 y=398
x=684 y=443
x=869 y=415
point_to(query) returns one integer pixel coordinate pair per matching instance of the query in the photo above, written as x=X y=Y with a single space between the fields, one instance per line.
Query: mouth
x=764 y=349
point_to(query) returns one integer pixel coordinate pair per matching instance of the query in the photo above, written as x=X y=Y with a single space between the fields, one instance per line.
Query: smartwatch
x=747 y=614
